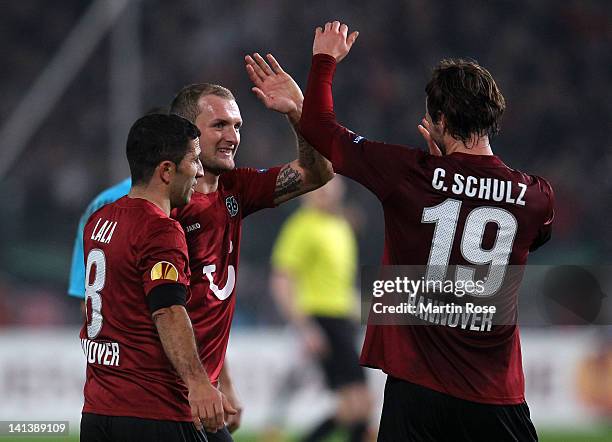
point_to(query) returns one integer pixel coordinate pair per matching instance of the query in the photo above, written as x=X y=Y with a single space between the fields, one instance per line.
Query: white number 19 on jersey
x=445 y=216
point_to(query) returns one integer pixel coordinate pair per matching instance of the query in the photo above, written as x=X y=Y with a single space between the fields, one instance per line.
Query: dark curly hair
x=466 y=94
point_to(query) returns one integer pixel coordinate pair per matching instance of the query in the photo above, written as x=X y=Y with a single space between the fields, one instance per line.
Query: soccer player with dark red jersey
x=225 y=195
x=144 y=379
x=457 y=205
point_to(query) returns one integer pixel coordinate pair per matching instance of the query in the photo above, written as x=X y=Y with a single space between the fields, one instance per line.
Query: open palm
x=273 y=86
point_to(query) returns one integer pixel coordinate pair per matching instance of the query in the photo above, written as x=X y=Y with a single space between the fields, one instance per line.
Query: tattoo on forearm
x=288 y=180
x=315 y=165
x=306 y=153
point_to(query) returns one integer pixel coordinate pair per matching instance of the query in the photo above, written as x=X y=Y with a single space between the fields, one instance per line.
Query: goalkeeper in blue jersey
x=76 y=283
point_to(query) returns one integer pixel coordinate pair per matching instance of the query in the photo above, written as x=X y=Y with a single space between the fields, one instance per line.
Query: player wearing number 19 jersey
x=457 y=205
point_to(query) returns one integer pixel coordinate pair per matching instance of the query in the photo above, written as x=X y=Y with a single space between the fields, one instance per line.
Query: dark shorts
x=415 y=413
x=99 y=428
x=220 y=436
x=341 y=363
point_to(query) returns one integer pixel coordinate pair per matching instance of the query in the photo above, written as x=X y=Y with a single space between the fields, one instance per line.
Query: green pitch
x=599 y=435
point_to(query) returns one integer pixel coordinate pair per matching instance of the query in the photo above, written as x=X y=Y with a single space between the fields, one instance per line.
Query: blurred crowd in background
x=552 y=60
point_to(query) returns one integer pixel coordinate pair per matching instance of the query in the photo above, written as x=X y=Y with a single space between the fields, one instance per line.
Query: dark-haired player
x=225 y=195
x=76 y=280
x=441 y=208
x=144 y=379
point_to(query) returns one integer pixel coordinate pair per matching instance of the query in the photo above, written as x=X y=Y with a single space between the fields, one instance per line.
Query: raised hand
x=334 y=40
x=273 y=86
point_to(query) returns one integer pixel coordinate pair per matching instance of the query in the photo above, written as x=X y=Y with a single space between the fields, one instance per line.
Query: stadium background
x=77 y=74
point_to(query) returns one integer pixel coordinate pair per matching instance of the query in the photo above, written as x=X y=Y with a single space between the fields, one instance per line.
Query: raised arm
x=318 y=124
x=278 y=91
x=374 y=164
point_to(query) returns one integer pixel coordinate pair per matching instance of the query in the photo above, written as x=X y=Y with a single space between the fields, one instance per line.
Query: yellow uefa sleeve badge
x=164 y=270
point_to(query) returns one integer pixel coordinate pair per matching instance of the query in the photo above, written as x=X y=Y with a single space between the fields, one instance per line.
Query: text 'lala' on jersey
x=130 y=247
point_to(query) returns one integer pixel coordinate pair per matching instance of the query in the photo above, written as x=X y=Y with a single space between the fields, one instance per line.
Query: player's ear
x=166 y=170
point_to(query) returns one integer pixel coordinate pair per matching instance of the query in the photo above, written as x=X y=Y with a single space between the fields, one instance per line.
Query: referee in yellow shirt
x=314 y=263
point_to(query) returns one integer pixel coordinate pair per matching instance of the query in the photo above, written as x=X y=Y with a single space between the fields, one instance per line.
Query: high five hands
x=273 y=86
x=278 y=91
x=334 y=40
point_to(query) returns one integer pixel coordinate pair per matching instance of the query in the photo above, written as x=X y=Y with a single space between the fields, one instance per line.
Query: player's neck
x=152 y=195
x=208 y=183
x=475 y=146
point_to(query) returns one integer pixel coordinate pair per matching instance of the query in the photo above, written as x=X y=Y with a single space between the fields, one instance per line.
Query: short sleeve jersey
x=213 y=225
x=438 y=210
x=131 y=246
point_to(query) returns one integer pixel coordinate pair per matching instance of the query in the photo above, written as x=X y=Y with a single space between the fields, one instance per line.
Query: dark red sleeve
x=545 y=231
x=164 y=258
x=256 y=187
x=373 y=164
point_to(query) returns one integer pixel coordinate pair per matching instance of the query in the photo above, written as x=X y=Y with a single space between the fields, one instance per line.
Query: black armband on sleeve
x=166 y=295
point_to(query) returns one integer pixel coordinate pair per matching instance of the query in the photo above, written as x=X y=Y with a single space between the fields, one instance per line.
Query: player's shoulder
x=243 y=179
x=107 y=196
x=398 y=150
x=113 y=193
x=536 y=182
x=235 y=177
x=144 y=215
x=159 y=222
x=199 y=202
x=542 y=184
x=163 y=231
x=540 y=181
x=539 y=189
x=103 y=210
x=230 y=179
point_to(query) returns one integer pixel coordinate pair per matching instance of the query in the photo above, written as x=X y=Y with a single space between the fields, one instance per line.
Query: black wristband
x=166 y=295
